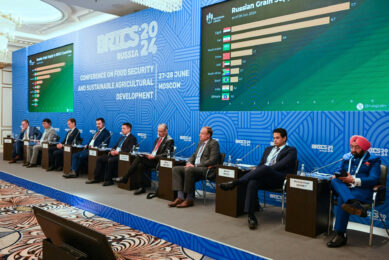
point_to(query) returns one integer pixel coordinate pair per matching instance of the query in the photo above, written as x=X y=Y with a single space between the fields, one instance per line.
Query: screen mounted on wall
x=50 y=80
x=295 y=55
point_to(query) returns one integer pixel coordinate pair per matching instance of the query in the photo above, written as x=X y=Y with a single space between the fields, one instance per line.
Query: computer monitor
x=61 y=232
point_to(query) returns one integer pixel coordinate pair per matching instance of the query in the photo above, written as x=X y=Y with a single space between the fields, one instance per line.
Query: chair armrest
x=378 y=188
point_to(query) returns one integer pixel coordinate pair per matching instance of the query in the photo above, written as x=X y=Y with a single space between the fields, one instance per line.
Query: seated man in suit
x=362 y=170
x=162 y=145
x=101 y=136
x=107 y=165
x=277 y=161
x=49 y=135
x=184 y=177
x=56 y=152
x=28 y=133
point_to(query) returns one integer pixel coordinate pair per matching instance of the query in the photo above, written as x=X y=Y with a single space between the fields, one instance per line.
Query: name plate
x=45 y=146
x=301 y=184
x=67 y=149
x=26 y=142
x=166 y=164
x=7 y=141
x=124 y=157
x=92 y=153
x=226 y=173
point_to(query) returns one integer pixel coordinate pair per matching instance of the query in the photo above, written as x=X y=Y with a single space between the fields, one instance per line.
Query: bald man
x=361 y=172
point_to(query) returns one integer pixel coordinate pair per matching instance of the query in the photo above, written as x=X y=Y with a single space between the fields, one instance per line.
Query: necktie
x=157 y=146
x=199 y=153
x=122 y=141
x=273 y=159
x=96 y=134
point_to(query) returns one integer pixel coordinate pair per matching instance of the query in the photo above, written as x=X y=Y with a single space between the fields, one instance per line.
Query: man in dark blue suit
x=102 y=136
x=28 y=133
x=277 y=161
x=56 y=152
x=362 y=173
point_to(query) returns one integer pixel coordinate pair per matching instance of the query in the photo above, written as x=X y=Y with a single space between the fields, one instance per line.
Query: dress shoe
x=355 y=208
x=108 y=183
x=50 y=169
x=31 y=165
x=119 y=180
x=71 y=174
x=185 y=204
x=228 y=185
x=253 y=222
x=59 y=169
x=176 y=202
x=338 y=239
x=92 y=181
x=26 y=164
x=140 y=191
x=12 y=161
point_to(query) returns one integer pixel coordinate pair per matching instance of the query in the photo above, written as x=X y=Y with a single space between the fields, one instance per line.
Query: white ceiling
x=73 y=15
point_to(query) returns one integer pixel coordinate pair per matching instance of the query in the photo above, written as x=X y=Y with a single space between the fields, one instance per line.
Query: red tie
x=96 y=134
x=157 y=146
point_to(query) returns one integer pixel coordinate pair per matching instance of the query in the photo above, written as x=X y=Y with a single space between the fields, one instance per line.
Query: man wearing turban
x=362 y=173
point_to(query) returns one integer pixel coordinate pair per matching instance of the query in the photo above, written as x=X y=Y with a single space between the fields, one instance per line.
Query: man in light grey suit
x=185 y=177
x=49 y=135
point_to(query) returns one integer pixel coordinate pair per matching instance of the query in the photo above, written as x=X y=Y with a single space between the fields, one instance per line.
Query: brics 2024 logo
x=209 y=18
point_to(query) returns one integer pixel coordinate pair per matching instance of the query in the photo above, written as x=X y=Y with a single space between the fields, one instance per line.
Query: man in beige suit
x=49 y=135
x=185 y=177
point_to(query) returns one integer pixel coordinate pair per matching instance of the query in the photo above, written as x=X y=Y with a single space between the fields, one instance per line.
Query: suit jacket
x=51 y=136
x=127 y=145
x=369 y=172
x=285 y=161
x=34 y=133
x=104 y=136
x=210 y=154
x=166 y=144
x=74 y=137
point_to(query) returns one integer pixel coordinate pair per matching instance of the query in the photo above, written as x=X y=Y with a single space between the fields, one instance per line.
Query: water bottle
x=229 y=163
x=302 y=172
x=168 y=153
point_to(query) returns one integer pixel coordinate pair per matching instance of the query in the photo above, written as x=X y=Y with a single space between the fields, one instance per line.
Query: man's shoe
x=140 y=191
x=355 y=208
x=339 y=239
x=108 y=183
x=71 y=174
x=12 y=161
x=119 y=180
x=59 y=169
x=26 y=164
x=176 y=202
x=228 y=185
x=92 y=181
x=253 y=222
x=31 y=165
x=185 y=204
x=50 y=169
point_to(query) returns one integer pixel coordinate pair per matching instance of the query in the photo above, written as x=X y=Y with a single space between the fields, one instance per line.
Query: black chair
x=210 y=176
x=379 y=192
x=281 y=191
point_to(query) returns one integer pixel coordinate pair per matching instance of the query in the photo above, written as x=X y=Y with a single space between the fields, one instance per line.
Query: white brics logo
x=243 y=142
x=186 y=138
x=209 y=18
x=323 y=148
x=375 y=215
x=379 y=151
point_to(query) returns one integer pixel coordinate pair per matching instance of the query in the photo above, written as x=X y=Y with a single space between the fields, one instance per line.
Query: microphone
x=325 y=166
x=186 y=148
x=106 y=139
x=75 y=138
x=252 y=150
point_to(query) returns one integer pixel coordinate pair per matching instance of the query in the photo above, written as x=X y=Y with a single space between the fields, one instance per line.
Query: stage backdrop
x=143 y=68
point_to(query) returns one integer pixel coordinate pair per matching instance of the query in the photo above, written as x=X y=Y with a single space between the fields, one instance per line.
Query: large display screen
x=295 y=55
x=50 y=80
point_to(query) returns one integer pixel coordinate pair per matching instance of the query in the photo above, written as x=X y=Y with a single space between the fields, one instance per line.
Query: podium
x=124 y=163
x=25 y=146
x=230 y=203
x=68 y=151
x=45 y=155
x=7 y=148
x=165 y=187
x=93 y=155
x=307 y=205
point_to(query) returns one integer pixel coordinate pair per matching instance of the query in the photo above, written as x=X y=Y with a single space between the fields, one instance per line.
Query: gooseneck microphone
x=252 y=150
x=186 y=148
x=327 y=165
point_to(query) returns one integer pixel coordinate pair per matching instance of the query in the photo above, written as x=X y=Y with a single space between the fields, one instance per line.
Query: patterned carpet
x=21 y=236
